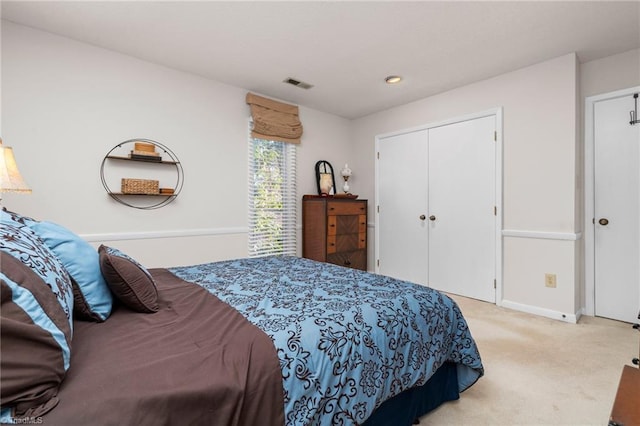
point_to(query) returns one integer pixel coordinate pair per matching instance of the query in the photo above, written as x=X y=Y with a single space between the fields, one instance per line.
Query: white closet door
x=617 y=210
x=462 y=218
x=402 y=196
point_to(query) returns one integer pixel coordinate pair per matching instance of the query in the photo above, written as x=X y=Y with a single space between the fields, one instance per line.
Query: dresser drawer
x=337 y=225
x=362 y=223
x=345 y=242
x=331 y=244
x=353 y=259
x=346 y=208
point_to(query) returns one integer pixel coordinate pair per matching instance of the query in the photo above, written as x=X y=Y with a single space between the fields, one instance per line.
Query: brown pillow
x=128 y=280
x=36 y=305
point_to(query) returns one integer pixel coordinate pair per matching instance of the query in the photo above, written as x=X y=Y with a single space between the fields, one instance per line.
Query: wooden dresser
x=334 y=230
x=626 y=406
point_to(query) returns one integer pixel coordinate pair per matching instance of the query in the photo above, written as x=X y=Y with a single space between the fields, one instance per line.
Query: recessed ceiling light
x=393 y=79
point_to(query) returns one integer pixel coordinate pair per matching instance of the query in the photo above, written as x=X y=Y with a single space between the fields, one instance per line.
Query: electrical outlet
x=550 y=280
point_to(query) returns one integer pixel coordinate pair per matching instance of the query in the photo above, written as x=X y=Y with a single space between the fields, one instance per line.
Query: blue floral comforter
x=347 y=340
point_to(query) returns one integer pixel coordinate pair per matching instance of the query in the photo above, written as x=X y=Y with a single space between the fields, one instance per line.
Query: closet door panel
x=402 y=199
x=462 y=219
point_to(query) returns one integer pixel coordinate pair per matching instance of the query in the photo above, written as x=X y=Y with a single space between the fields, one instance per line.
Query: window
x=272 y=198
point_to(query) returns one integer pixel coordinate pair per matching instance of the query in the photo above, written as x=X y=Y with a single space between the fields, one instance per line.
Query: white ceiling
x=345 y=49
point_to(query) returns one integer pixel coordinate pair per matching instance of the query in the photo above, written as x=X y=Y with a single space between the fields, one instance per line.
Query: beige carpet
x=540 y=371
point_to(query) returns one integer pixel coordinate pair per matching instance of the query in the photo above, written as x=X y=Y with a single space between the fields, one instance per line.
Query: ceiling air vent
x=297 y=83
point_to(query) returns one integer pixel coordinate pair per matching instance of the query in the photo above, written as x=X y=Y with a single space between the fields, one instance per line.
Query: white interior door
x=616 y=210
x=462 y=208
x=402 y=198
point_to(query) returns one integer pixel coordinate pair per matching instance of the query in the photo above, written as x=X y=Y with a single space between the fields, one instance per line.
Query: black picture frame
x=324 y=172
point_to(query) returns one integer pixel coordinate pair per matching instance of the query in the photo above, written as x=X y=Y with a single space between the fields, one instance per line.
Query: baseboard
x=536 y=310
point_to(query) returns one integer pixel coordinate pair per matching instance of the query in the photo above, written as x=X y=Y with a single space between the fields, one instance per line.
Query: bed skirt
x=405 y=408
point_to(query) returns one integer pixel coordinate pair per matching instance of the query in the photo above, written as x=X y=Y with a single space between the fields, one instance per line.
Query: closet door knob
x=422 y=217
x=432 y=217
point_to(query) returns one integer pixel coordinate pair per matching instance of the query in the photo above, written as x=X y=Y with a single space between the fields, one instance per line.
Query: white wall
x=609 y=74
x=539 y=191
x=65 y=104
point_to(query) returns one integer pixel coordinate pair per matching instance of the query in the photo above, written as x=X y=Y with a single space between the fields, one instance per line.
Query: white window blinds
x=272 y=198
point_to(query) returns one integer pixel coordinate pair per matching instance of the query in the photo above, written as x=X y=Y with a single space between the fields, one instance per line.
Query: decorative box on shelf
x=143 y=151
x=135 y=155
x=144 y=147
x=140 y=186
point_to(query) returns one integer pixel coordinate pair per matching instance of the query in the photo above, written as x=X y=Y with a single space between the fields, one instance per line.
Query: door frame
x=589 y=192
x=497 y=112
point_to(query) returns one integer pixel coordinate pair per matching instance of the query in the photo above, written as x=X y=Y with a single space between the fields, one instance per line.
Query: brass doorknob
x=422 y=217
x=432 y=217
x=603 y=221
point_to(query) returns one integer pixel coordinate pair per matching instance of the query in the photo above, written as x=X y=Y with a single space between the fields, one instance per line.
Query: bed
x=278 y=340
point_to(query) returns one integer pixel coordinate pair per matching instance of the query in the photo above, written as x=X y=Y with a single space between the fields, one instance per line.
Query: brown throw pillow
x=35 y=321
x=128 y=280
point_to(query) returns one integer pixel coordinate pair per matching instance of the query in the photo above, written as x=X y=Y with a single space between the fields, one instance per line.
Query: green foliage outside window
x=267 y=223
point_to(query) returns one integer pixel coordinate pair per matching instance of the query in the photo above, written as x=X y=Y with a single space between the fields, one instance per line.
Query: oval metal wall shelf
x=135 y=200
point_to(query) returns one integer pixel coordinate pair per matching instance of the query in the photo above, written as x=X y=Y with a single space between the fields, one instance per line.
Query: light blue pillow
x=92 y=297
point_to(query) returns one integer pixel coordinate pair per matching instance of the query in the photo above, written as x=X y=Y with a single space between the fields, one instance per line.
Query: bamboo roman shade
x=273 y=120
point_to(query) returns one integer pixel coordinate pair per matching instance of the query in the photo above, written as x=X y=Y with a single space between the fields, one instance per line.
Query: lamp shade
x=10 y=178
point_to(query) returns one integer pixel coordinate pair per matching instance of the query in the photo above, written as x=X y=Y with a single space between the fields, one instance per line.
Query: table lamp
x=10 y=178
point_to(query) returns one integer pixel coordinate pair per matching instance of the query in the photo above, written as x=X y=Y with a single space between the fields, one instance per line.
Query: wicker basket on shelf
x=140 y=186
